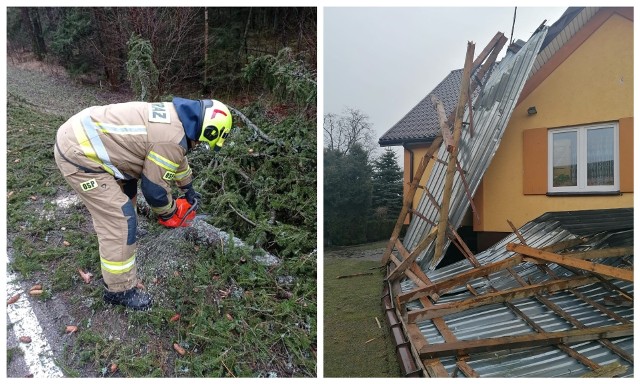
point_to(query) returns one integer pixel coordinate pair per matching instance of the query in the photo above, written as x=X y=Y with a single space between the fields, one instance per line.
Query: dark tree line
x=362 y=195
x=194 y=49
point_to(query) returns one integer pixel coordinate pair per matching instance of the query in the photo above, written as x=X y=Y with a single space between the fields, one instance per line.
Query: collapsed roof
x=555 y=299
x=515 y=314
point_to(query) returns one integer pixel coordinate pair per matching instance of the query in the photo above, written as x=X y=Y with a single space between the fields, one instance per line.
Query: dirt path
x=50 y=88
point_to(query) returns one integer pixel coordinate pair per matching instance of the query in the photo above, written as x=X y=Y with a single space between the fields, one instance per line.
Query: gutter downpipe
x=409 y=364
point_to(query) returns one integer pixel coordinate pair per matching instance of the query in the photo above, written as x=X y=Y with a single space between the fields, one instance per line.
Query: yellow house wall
x=593 y=84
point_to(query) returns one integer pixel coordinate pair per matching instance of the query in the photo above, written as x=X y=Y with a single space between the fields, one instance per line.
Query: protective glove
x=181 y=217
x=190 y=194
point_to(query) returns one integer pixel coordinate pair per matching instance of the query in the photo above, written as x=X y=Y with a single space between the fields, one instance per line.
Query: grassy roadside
x=354 y=345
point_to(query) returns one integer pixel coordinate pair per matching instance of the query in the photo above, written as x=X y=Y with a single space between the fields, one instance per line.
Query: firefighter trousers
x=114 y=220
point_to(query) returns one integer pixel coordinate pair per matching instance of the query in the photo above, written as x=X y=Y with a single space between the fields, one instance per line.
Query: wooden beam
x=459 y=280
x=494 y=45
x=466 y=369
x=601 y=253
x=411 y=257
x=524 y=341
x=445 y=130
x=562 y=245
x=417 y=276
x=498 y=297
x=609 y=370
x=408 y=199
x=400 y=247
x=453 y=153
x=568 y=261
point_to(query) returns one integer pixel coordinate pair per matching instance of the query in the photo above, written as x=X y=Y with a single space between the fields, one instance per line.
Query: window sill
x=592 y=193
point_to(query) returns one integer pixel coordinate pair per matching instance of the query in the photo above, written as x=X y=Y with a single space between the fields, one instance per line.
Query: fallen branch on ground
x=354 y=275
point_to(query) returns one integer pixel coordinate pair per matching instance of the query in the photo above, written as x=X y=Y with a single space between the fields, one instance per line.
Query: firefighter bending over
x=104 y=151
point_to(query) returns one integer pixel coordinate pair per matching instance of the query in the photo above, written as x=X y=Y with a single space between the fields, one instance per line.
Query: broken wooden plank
x=453 y=153
x=408 y=198
x=433 y=367
x=498 y=297
x=420 y=280
x=609 y=370
x=445 y=130
x=562 y=245
x=400 y=247
x=494 y=47
x=464 y=248
x=466 y=369
x=459 y=280
x=354 y=275
x=524 y=341
x=411 y=257
x=601 y=253
x=605 y=270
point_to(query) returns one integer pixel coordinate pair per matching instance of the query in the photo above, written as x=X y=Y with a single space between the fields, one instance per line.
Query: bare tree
x=342 y=132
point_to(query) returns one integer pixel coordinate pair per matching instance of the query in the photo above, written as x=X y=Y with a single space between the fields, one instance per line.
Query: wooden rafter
x=572 y=320
x=498 y=297
x=411 y=257
x=524 y=341
x=408 y=199
x=484 y=61
x=605 y=270
x=453 y=154
x=458 y=280
x=601 y=253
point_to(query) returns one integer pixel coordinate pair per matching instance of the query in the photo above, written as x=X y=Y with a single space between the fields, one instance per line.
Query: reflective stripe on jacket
x=134 y=140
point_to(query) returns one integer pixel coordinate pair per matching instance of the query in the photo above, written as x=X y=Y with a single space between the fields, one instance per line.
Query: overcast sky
x=383 y=61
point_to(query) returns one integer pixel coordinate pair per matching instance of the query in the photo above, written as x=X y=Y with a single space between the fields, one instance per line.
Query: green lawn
x=354 y=344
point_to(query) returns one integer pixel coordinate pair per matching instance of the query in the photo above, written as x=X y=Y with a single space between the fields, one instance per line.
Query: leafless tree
x=342 y=132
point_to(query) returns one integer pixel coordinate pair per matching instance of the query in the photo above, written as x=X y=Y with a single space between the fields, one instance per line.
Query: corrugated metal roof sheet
x=420 y=124
x=599 y=229
x=491 y=112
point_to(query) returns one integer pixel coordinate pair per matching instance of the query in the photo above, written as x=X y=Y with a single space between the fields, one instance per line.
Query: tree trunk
x=108 y=48
x=205 y=81
x=31 y=17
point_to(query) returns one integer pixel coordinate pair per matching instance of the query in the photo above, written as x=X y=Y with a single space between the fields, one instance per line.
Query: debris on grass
x=36 y=287
x=86 y=276
x=181 y=351
x=174 y=318
x=25 y=339
x=13 y=299
x=71 y=329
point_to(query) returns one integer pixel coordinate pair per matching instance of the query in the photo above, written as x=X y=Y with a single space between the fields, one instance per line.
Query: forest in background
x=362 y=192
x=188 y=51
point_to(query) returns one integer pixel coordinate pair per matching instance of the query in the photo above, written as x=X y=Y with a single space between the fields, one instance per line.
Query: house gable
x=589 y=82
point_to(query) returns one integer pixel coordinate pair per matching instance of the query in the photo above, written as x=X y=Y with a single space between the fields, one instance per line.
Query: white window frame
x=582 y=186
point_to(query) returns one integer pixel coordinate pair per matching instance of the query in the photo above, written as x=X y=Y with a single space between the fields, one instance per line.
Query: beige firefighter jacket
x=134 y=140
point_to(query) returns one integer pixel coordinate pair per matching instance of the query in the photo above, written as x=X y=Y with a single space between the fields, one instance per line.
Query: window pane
x=600 y=156
x=565 y=159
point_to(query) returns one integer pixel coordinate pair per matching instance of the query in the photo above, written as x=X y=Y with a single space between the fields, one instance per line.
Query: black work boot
x=132 y=298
